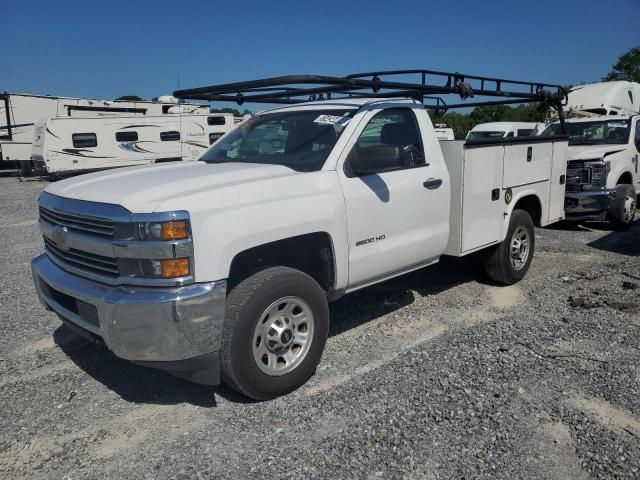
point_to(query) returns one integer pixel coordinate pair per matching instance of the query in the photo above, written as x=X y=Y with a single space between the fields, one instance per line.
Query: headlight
x=146 y=268
x=171 y=267
x=158 y=231
x=173 y=230
x=599 y=172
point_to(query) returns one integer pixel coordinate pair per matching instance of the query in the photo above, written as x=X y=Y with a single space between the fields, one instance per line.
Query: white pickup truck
x=223 y=268
x=602 y=169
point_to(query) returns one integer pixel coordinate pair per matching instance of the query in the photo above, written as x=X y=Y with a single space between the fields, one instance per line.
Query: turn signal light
x=175 y=230
x=175 y=267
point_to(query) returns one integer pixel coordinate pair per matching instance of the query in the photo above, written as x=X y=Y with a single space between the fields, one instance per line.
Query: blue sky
x=112 y=48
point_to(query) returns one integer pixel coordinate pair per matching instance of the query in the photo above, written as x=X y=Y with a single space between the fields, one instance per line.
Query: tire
x=622 y=210
x=499 y=264
x=251 y=318
x=25 y=167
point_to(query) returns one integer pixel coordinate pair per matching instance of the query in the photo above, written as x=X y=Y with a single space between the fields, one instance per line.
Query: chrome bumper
x=588 y=204
x=145 y=325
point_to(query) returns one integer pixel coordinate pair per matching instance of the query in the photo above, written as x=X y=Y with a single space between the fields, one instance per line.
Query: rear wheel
x=622 y=210
x=276 y=327
x=508 y=262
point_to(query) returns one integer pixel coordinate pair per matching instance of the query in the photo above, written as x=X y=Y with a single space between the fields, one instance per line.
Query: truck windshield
x=483 y=135
x=300 y=140
x=600 y=132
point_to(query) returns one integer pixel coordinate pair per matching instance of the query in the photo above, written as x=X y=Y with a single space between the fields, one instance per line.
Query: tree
x=627 y=67
x=130 y=98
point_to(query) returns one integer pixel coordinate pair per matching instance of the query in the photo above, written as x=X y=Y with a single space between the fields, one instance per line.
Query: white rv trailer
x=20 y=111
x=604 y=98
x=494 y=130
x=65 y=145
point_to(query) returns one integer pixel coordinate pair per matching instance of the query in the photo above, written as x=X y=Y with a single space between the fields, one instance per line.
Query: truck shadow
x=137 y=384
x=567 y=226
x=133 y=383
x=624 y=243
x=381 y=299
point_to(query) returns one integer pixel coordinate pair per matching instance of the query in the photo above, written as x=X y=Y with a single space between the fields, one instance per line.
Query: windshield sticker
x=331 y=120
x=617 y=125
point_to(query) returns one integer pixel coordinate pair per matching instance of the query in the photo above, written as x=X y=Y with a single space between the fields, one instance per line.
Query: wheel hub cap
x=283 y=336
x=519 y=248
x=629 y=209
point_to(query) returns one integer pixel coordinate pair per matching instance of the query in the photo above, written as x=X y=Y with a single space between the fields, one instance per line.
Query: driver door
x=397 y=199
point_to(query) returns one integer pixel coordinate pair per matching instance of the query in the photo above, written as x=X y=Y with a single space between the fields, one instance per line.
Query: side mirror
x=370 y=160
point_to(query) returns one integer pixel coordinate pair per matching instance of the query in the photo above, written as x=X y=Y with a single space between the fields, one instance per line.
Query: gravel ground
x=437 y=374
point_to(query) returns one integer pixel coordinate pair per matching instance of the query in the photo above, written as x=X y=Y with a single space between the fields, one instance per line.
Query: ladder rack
x=292 y=89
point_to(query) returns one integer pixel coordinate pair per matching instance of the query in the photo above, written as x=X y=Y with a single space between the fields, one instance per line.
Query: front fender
x=289 y=210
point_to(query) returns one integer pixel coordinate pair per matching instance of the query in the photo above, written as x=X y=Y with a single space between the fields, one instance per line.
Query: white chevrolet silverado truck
x=602 y=169
x=222 y=269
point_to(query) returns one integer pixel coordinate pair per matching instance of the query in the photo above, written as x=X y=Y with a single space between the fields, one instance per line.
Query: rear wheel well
x=531 y=205
x=625 y=179
x=310 y=253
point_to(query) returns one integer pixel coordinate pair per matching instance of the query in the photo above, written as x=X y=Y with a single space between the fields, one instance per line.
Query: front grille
x=78 y=223
x=577 y=177
x=97 y=264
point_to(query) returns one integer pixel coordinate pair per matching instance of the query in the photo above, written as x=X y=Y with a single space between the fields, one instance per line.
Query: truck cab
x=602 y=169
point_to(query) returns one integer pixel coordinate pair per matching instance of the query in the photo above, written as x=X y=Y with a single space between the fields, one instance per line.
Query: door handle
x=432 y=183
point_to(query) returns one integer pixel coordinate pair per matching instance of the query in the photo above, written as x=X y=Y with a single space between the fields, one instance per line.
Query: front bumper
x=177 y=329
x=588 y=205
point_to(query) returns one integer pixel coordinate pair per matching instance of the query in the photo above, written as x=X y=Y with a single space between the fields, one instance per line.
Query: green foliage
x=234 y=111
x=462 y=123
x=130 y=98
x=626 y=68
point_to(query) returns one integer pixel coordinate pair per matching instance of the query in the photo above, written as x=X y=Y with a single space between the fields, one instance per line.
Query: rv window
x=84 y=140
x=171 y=136
x=216 y=120
x=509 y=135
x=126 y=136
x=213 y=137
x=525 y=132
x=630 y=96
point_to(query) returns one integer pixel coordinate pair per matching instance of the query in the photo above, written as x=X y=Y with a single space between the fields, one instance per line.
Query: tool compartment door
x=526 y=163
x=482 y=209
x=558 y=180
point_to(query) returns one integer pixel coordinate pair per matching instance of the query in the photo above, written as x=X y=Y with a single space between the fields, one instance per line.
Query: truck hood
x=144 y=189
x=592 y=152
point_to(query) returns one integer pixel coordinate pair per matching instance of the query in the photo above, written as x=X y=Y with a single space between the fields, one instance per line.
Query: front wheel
x=275 y=330
x=508 y=262
x=26 y=168
x=622 y=210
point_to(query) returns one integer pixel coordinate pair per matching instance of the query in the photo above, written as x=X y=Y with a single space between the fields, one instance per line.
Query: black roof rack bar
x=533 y=86
x=321 y=96
x=496 y=102
x=286 y=89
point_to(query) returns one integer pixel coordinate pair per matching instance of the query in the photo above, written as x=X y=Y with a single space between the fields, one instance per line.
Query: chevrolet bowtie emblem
x=59 y=236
